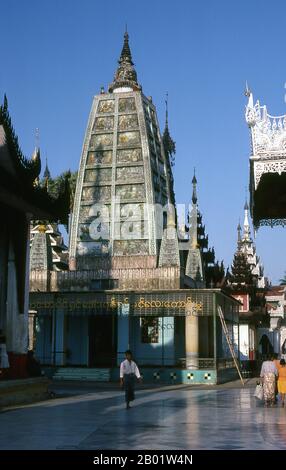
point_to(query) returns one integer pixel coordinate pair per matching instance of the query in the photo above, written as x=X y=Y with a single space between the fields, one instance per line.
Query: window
x=149 y=330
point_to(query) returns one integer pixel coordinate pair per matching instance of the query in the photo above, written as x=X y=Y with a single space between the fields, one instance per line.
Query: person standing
x=128 y=372
x=282 y=380
x=268 y=374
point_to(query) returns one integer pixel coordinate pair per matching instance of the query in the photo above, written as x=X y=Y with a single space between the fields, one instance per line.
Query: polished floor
x=161 y=418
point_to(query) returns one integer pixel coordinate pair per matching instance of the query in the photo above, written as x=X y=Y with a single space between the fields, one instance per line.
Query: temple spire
x=238 y=235
x=166 y=102
x=248 y=94
x=194 y=215
x=246 y=225
x=125 y=76
x=194 y=183
x=194 y=264
x=47 y=174
x=126 y=53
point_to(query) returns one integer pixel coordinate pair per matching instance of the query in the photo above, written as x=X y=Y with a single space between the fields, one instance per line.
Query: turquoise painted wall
x=180 y=348
x=161 y=353
x=122 y=337
x=59 y=339
x=77 y=340
x=172 y=375
x=43 y=350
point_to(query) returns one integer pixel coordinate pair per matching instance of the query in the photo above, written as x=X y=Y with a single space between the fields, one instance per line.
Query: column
x=192 y=341
x=204 y=336
x=276 y=341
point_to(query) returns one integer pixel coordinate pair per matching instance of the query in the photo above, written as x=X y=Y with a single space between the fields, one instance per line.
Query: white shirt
x=127 y=367
x=268 y=367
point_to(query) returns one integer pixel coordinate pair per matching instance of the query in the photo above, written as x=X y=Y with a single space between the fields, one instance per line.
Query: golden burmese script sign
x=136 y=304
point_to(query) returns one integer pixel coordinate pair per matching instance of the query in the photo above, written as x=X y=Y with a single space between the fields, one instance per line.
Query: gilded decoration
x=96 y=230
x=98 y=193
x=131 y=230
x=100 y=140
x=130 y=247
x=127 y=121
x=93 y=248
x=142 y=304
x=126 y=104
x=133 y=211
x=128 y=138
x=131 y=191
x=101 y=157
x=104 y=123
x=94 y=211
x=98 y=175
x=129 y=173
x=129 y=155
x=106 y=106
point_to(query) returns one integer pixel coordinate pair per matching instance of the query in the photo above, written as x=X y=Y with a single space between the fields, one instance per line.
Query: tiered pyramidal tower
x=123 y=173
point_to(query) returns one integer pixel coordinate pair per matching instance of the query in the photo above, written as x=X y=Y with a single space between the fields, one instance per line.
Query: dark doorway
x=102 y=341
x=266 y=346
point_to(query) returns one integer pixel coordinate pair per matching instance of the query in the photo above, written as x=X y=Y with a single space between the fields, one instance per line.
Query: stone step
x=100 y=375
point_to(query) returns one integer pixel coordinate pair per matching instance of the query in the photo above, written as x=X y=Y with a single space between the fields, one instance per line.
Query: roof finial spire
x=37 y=138
x=238 y=234
x=47 y=173
x=36 y=153
x=125 y=76
x=194 y=183
x=246 y=225
x=247 y=91
x=167 y=102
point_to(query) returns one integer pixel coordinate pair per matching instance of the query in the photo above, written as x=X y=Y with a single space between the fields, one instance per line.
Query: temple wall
x=162 y=350
x=130 y=278
x=76 y=340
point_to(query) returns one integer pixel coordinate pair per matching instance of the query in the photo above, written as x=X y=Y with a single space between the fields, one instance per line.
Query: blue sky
x=57 y=54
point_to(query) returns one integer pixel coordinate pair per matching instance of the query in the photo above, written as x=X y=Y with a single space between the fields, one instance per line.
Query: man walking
x=128 y=372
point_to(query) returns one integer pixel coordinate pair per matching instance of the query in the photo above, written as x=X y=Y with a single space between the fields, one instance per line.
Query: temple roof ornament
x=168 y=143
x=27 y=169
x=194 y=183
x=268 y=133
x=194 y=263
x=125 y=77
x=47 y=173
x=267 y=160
x=246 y=225
x=238 y=235
x=246 y=246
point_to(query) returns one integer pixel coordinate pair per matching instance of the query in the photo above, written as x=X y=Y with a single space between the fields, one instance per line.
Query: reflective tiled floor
x=160 y=418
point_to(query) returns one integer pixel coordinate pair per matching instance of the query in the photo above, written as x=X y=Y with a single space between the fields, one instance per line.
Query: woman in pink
x=268 y=374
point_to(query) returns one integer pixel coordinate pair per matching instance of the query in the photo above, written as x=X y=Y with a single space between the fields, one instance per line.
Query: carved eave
x=25 y=169
x=18 y=176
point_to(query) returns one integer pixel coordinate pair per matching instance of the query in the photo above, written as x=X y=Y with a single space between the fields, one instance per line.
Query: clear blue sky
x=56 y=54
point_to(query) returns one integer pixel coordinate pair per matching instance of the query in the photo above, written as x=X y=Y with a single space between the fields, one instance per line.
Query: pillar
x=204 y=336
x=276 y=341
x=192 y=341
